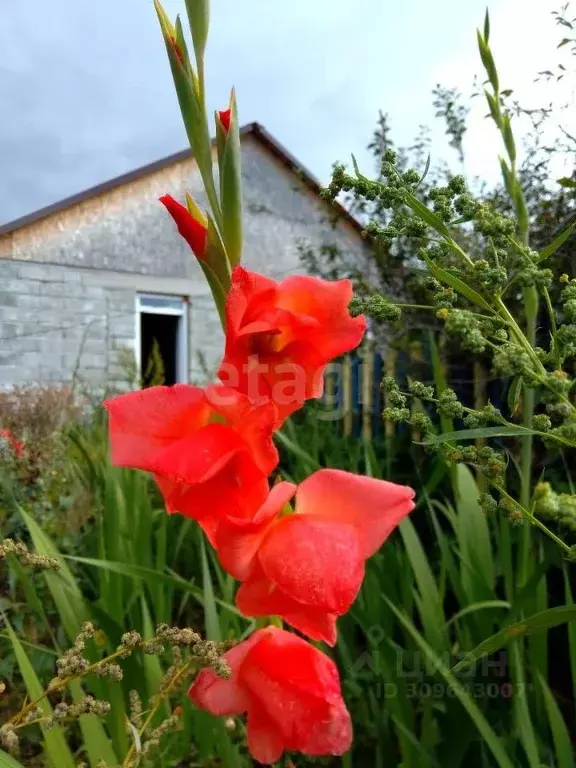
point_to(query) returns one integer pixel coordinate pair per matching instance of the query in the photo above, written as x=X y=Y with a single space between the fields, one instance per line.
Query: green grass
x=443 y=656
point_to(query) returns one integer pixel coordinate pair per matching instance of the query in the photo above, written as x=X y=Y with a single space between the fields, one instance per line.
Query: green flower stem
x=427 y=306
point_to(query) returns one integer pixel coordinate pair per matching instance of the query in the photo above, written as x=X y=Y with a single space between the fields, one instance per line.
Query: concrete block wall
x=58 y=322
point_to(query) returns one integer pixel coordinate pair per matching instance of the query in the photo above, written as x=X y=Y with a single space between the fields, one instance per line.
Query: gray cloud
x=86 y=94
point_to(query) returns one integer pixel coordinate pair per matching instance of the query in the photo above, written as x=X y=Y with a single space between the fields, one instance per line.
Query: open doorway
x=161 y=339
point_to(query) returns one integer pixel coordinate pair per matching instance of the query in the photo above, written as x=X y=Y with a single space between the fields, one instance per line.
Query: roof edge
x=254 y=129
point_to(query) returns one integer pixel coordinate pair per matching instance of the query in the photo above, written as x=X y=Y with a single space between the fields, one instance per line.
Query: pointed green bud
x=229 y=151
x=199 y=18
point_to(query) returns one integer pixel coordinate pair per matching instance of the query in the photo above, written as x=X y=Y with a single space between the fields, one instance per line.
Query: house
x=101 y=277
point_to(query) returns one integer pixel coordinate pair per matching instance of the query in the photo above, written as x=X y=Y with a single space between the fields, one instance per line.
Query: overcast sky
x=86 y=94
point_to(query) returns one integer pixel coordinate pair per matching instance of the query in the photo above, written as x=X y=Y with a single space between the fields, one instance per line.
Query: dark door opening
x=159 y=348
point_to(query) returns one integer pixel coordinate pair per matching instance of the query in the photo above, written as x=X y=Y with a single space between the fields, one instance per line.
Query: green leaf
x=483 y=606
x=199 y=18
x=508 y=138
x=475 y=547
x=56 y=747
x=8 y=762
x=473 y=434
x=297 y=450
x=152 y=577
x=491 y=739
x=494 y=107
x=506 y=175
x=211 y=621
x=97 y=744
x=431 y=218
x=522 y=719
x=539 y=622
x=557 y=243
x=431 y=608
x=62 y=584
x=513 y=398
x=183 y=48
x=571 y=628
x=458 y=285
x=567 y=182
x=357 y=170
x=488 y=61
x=487 y=27
x=560 y=736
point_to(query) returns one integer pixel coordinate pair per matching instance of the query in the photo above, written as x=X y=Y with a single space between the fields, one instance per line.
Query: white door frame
x=165 y=304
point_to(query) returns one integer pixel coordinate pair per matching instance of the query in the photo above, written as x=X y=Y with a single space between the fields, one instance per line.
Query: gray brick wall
x=67 y=296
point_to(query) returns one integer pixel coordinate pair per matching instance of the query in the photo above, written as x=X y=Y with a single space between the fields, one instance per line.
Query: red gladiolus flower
x=209 y=449
x=280 y=336
x=194 y=231
x=290 y=691
x=307 y=567
x=16 y=445
x=224 y=116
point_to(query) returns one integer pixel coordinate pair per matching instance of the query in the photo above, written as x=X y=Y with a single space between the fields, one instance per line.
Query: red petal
x=199 y=457
x=327 y=302
x=286 y=379
x=248 y=289
x=146 y=422
x=280 y=336
x=258 y=596
x=254 y=423
x=374 y=507
x=237 y=541
x=224 y=116
x=238 y=491
x=265 y=739
x=315 y=561
x=332 y=736
x=299 y=688
x=219 y=696
x=193 y=231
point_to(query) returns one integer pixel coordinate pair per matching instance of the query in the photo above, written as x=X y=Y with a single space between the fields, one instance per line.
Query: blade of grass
x=560 y=736
x=146 y=574
x=433 y=617
x=6 y=761
x=68 y=600
x=474 y=539
x=571 y=627
x=62 y=585
x=152 y=667
x=57 y=749
x=524 y=728
x=481 y=432
x=486 y=605
x=292 y=446
x=491 y=739
x=540 y=622
x=211 y=621
x=97 y=744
